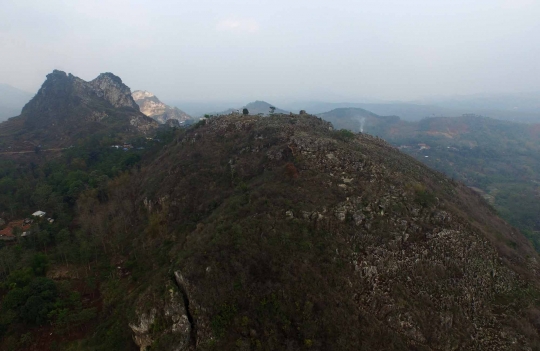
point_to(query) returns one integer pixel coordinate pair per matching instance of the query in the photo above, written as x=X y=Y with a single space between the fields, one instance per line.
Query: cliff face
x=67 y=107
x=152 y=107
x=281 y=233
x=110 y=87
x=61 y=89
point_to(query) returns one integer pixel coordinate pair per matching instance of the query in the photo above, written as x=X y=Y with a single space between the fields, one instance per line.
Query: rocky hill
x=152 y=107
x=500 y=159
x=67 y=108
x=255 y=108
x=281 y=233
x=263 y=107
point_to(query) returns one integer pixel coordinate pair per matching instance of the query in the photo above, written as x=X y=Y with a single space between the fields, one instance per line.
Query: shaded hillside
x=12 y=101
x=152 y=107
x=501 y=159
x=66 y=109
x=280 y=233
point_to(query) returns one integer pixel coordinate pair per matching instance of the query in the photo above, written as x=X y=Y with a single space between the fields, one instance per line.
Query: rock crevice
x=180 y=284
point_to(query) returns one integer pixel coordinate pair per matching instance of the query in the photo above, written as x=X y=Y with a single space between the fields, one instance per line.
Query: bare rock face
x=61 y=86
x=142 y=94
x=198 y=315
x=110 y=87
x=162 y=320
x=152 y=107
x=141 y=328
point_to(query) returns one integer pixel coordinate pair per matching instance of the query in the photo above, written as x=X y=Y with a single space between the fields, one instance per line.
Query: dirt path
x=28 y=151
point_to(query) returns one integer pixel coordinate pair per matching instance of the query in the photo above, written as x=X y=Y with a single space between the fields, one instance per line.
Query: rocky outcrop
x=110 y=87
x=201 y=332
x=60 y=86
x=67 y=108
x=162 y=320
x=173 y=123
x=152 y=107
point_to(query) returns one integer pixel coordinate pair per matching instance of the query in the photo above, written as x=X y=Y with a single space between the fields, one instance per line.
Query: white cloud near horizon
x=238 y=25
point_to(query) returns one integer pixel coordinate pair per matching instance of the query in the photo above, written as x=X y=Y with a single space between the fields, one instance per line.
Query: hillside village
x=14 y=230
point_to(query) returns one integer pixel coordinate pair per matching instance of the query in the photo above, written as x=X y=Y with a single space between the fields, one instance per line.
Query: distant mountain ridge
x=12 y=101
x=415 y=111
x=357 y=119
x=406 y=111
x=515 y=102
x=255 y=108
x=67 y=108
x=263 y=107
x=151 y=106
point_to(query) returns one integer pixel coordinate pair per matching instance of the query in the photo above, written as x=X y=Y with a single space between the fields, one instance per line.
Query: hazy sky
x=258 y=49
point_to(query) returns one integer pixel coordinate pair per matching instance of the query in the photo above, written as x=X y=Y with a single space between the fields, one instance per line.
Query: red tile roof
x=8 y=230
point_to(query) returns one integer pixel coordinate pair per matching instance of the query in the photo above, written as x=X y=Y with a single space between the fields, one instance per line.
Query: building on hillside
x=39 y=214
x=8 y=233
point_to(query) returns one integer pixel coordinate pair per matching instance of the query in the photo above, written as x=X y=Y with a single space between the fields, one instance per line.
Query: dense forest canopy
x=62 y=306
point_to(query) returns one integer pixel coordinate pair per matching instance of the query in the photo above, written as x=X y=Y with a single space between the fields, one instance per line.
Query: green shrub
x=344 y=134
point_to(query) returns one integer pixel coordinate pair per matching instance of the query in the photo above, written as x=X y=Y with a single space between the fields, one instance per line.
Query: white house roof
x=38 y=214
